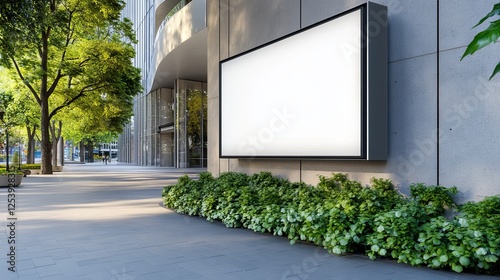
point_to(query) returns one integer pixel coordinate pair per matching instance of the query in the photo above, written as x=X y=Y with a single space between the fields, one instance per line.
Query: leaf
x=337 y=251
x=375 y=248
x=463 y=223
x=443 y=258
x=481 y=252
x=495 y=11
x=491 y=258
x=483 y=38
x=497 y=68
x=457 y=268
x=464 y=261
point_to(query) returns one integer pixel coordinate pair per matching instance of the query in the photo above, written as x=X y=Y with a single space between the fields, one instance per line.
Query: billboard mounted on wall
x=320 y=92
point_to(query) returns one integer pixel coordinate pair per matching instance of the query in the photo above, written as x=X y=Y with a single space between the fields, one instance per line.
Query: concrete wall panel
x=413 y=120
x=470 y=122
x=213 y=85
x=412 y=24
x=468 y=103
x=457 y=17
x=256 y=22
x=412 y=28
x=224 y=11
x=356 y=170
x=289 y=169
x=313 y=11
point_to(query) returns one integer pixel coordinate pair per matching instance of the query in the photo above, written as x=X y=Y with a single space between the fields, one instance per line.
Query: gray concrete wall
x=470 y=105
x=466 y=117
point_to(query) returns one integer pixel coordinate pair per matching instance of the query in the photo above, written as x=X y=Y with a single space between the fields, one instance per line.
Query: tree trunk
x=44 y=107
x=56 y=138
x=30 y=157
x=54 y=146
x=82 y=152
x=72 y=150
x=61 y=150
x=90 y=149
x=46 y=143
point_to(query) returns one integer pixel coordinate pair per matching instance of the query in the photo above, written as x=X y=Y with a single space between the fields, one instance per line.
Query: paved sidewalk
x=95 y=221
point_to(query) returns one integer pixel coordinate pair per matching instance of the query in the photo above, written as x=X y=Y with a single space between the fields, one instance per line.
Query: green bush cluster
x=24 y=166
x=4 y=172
x=343 y=216
x=32 y=166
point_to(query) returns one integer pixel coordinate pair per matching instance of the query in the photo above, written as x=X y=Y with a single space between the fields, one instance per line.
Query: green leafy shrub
x=352 y=208
x=31 y=166
x=343 y=216
x=12 y=172
x=395 y=232
x=435 y=199
x=476 y=238
x=186 y=196
x=434 y=246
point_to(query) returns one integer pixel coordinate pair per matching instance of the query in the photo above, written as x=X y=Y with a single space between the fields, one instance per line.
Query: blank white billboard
x=301 y=96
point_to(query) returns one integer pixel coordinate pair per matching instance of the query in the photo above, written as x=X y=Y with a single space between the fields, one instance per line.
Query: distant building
x=107 y=149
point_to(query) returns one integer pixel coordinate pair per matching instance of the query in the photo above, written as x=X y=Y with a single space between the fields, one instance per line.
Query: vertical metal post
x=19 y=156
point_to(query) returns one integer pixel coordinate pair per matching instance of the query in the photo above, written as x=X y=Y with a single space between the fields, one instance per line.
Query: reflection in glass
x=196 y=127
x=169 y=128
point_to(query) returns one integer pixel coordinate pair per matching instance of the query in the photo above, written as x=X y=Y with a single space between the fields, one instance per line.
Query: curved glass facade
x=169 y=128
x=170 y=118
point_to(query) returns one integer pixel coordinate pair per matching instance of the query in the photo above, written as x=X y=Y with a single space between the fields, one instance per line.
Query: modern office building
x=169 y=127
x=443 y=125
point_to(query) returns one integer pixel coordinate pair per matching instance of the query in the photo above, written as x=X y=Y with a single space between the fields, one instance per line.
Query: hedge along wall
x=343 y=216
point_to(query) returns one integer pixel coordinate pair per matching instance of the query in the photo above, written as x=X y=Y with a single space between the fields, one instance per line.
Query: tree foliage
x=64 y=51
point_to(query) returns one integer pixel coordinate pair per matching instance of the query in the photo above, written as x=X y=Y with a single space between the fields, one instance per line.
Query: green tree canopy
x=65 y=50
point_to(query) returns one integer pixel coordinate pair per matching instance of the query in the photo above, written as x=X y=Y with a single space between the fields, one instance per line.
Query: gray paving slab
x=95 y=221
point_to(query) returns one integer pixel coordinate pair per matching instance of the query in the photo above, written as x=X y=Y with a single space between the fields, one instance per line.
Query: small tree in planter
x=15 y=161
